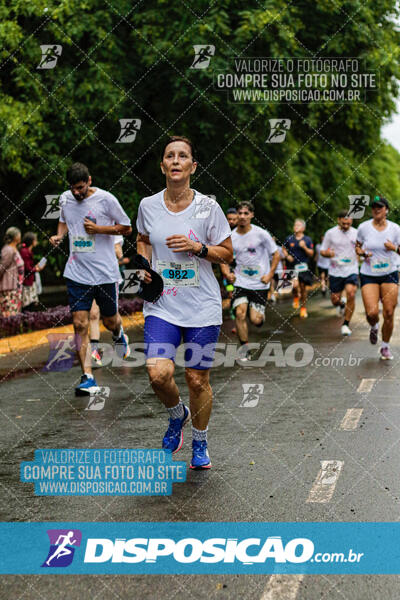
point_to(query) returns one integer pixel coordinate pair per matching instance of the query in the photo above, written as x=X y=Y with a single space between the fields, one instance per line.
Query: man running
x=298 y=250
x=322 y=266
x=339 y=246
x=91 y=217
x=233 y=217
x=377 y=242
x=253 y=273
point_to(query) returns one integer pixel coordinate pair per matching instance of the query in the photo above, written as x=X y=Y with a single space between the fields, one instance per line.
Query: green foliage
x=132 y=60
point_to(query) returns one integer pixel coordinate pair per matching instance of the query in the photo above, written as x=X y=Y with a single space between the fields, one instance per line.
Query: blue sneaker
x=173 y=438
x=200 y=458
x=87 y=386
x=121 y=345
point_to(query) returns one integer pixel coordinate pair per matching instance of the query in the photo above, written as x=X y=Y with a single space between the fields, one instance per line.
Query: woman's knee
x=197 y=380
x=159 y=371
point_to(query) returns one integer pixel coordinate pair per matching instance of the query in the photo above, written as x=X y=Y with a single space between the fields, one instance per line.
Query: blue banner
x=177 y=548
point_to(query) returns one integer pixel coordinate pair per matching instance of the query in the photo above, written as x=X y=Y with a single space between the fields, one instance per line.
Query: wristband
x=203 y=252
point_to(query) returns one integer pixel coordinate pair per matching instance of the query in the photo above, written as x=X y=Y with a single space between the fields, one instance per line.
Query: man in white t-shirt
x=339 y=245
x=253 y=247
x=91 y=217
x=322 y=266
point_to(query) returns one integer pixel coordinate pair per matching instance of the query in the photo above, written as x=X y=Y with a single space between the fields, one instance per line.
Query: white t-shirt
x=92 y=259
x=345 y=262
x=382 y=261
x=252 y=253
x=191 y=295
x=323 y=262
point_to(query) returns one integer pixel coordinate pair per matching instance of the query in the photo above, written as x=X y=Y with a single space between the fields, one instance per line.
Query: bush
x=54 y=317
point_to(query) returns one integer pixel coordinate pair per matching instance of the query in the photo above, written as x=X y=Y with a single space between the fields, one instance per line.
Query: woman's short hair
x=29 y=238
x=11 y=234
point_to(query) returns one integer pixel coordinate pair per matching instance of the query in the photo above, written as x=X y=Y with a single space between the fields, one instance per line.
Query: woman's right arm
x=143 y=246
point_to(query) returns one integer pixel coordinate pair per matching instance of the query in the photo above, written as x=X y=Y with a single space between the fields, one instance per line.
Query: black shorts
x=257 y=299
x=305 y=277
x=389 y=278
x=322 y=270
x=337 y=284
x=81 y=296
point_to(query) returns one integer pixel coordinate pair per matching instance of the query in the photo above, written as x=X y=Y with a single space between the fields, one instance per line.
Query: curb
x=27 y=341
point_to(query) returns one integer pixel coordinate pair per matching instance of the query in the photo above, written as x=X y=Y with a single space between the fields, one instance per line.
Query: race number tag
x=253 y=271
x=301 y=267
x=383 y=266
x=83 y=243
x=345 y=261
x=179 y=274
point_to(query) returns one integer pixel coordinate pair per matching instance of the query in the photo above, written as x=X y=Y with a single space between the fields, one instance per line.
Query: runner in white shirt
x=94 y=315
x=253 y=272
x=91 y=217
x=377 y=242
x=183 y=232
x=323 y=266
x=339 y=246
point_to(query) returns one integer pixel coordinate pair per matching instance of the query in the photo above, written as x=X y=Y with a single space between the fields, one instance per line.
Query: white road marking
x=351 y=418
x=282 y=587
x=326 y=480
x=366 y=385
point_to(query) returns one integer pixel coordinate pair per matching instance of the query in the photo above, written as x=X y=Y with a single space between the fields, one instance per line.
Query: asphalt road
x=266 y=451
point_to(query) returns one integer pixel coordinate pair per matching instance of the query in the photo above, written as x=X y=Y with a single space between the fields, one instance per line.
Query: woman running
x=183 y=232
x=377 y=241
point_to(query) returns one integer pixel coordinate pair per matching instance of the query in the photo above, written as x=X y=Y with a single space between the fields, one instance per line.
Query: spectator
x=30 y=298
x=11 y=274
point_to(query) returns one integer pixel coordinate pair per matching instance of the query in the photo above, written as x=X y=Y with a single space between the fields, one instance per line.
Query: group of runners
x=181 y=234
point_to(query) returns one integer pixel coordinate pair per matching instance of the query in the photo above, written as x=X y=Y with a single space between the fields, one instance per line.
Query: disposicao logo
x=62 y=547
x=191 y=550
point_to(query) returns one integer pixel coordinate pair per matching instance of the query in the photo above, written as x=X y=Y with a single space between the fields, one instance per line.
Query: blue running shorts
x=162 y=340
x=81 y=296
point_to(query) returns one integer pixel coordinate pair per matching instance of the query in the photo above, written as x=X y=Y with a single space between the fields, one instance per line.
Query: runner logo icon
x=98 y=399
x=251 y=394
x=52 y=207
x=61 y=353
x=132 y=281
x=357 y=207
x=203 y=54
x=62 y=547
x=129 y=129
x=279 y=129
x=50 y=54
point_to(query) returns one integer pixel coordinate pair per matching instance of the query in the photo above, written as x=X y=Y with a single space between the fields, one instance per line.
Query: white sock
x=177 y=411
x=376 y=326
x=199 y=434
x=89 y=375
x=385 y=345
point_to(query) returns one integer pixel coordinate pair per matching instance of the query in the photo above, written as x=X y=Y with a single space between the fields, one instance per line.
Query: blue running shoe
x=121 y=345
x=173 y=438
x=200 y=458
x=87 y=386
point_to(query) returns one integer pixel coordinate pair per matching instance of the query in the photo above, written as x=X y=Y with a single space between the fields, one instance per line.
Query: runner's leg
x=388 y=295
x=370 y=296
x=241 y=322
x=200 y=394
x=351 y=290
x=80 y=320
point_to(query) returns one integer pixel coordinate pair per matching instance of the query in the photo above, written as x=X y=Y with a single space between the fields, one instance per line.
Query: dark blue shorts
x=337 y=284
x=162 y=340
x=81 y=296
x=389 y=278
